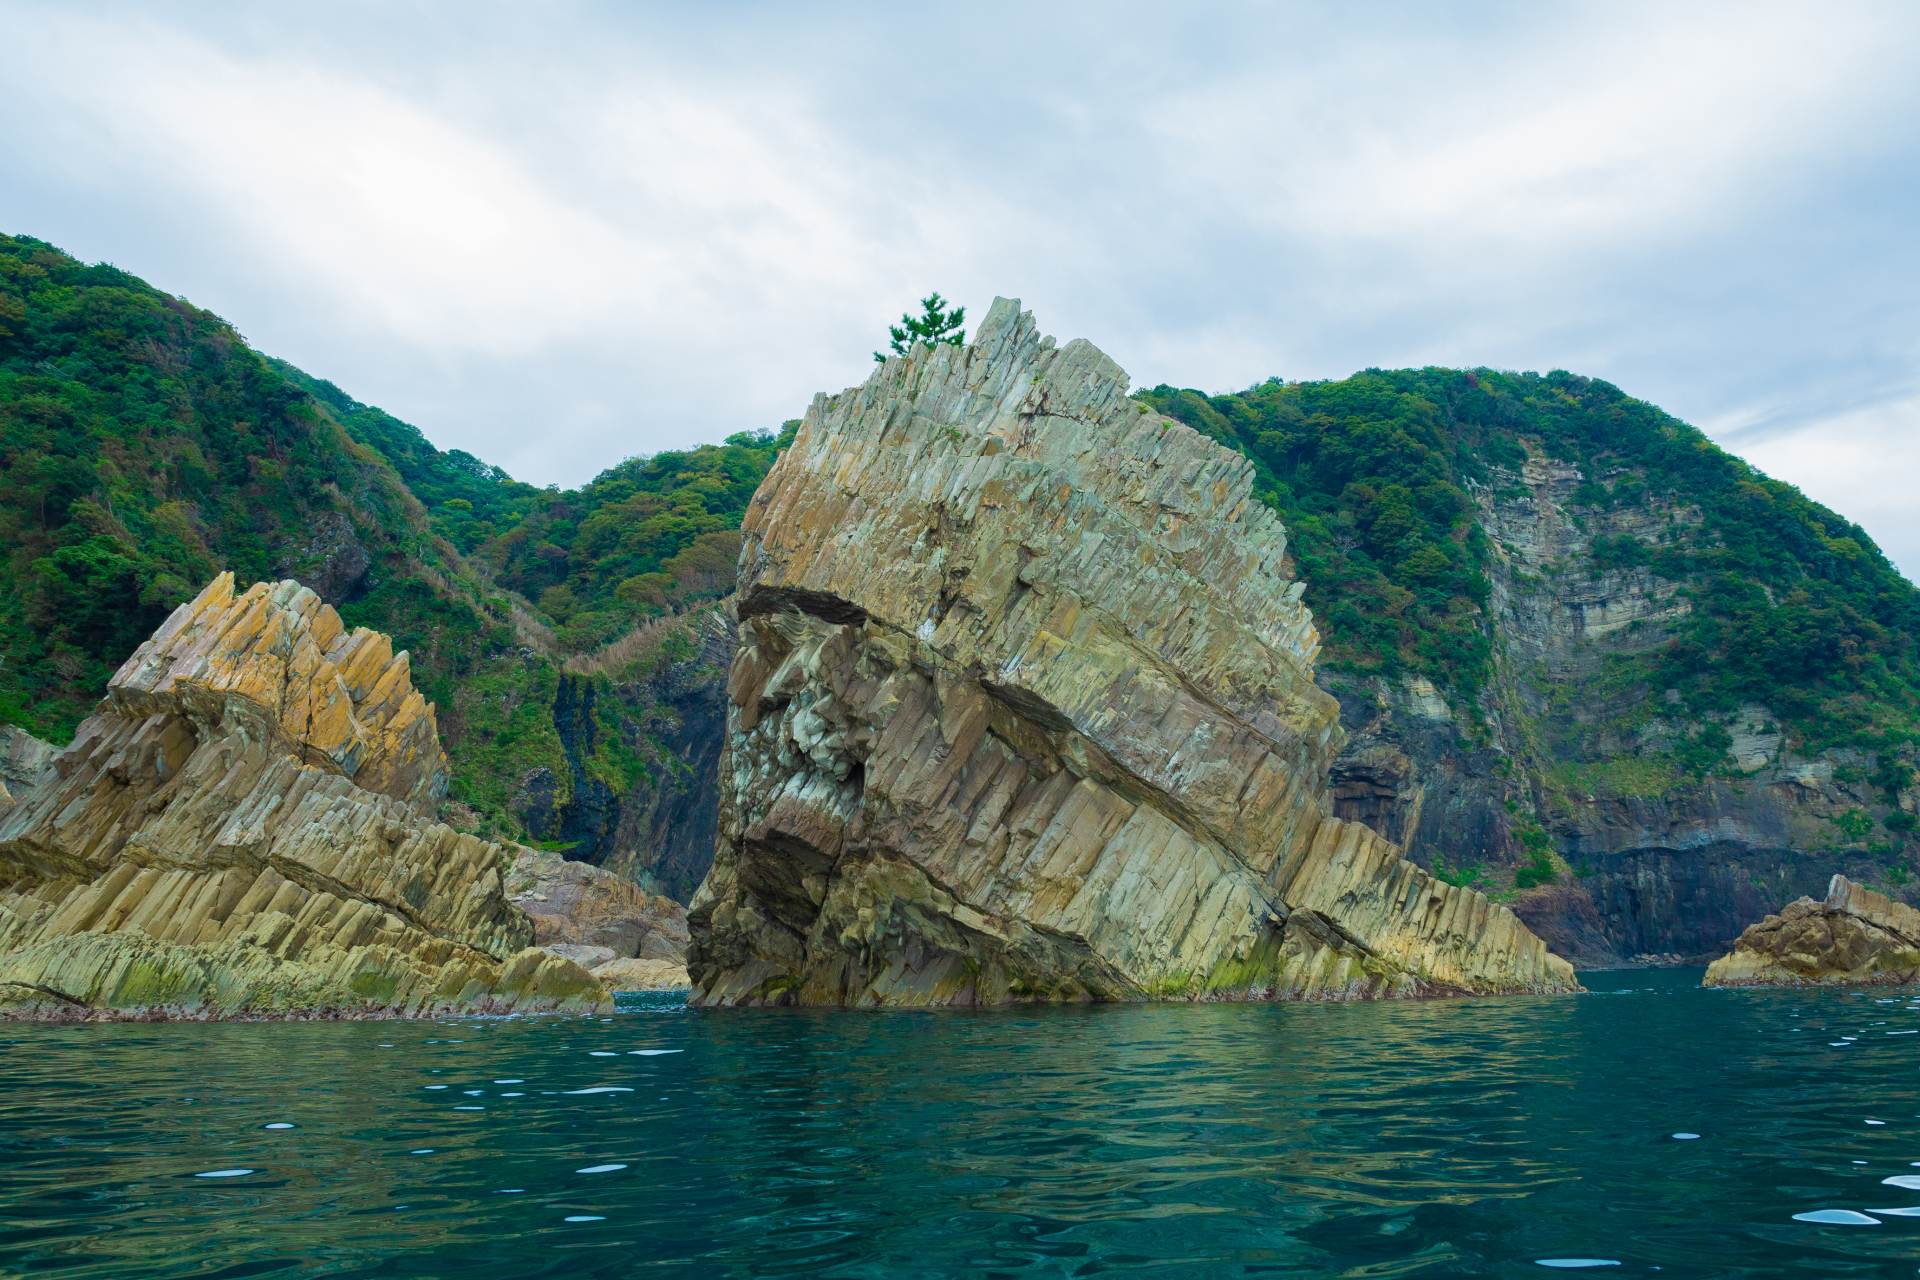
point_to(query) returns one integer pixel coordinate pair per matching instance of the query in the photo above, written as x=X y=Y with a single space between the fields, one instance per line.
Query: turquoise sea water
x=1452 y=1138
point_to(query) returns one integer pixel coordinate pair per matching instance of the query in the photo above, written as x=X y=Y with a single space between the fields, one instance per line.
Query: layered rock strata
x=1853 y=936
x=630 y=939
x=244 y=828
x=1024 y=708
x=23 y=759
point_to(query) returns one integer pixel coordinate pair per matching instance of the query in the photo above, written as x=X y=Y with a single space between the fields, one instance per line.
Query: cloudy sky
x=560 y=238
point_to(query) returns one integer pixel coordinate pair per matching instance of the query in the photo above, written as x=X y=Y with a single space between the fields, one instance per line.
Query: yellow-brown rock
x=1853 y=937
x=1024 y=709
x=244 y=828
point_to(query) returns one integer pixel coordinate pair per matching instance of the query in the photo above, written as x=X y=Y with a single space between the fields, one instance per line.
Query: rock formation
x=244 y=828
x=1024 y=708
x=665 y=698
x=1580 y=745
x=23 y=759
x=1854 y=936
x=630 y=939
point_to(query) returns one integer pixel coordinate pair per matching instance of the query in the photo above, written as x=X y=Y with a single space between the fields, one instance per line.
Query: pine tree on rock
x=935 y=324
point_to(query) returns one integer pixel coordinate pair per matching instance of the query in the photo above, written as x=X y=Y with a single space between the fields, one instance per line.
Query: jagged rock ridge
x=1854 y=936
x=1024 y=708
x=244 y=828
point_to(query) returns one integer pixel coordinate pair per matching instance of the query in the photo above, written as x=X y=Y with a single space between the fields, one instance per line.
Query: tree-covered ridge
x=1369 y=477
x=1381 y=476
x=650 y=535
x=468 y=501
x=143 y=448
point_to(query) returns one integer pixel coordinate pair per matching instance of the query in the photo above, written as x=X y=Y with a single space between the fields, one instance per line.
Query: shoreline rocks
x=629 y=939
x=1854 y=937
x=1023 y=709
x=244 y=829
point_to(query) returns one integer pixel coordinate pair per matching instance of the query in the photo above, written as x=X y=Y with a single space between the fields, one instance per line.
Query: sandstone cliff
x=1854 y=936
x=244 y=827
x=1024 y=707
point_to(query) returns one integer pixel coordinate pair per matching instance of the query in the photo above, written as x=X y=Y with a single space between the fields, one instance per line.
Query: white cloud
x=1862 y=463
x=561 y=240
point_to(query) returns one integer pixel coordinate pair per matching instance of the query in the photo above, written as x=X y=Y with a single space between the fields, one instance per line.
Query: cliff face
x=244 y=828
x=1576 y=753
x=1854 y=936
x=1024 y=707
x=664 y=711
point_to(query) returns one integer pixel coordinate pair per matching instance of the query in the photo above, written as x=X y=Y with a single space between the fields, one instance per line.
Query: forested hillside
x=1377 y=476
x=144 y=447
x=1582 y=650
x=1583 y=655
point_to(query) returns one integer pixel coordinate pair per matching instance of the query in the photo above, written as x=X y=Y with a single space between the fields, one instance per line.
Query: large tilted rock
x=1024 y=708
x=1855 y=936
x=244 y=827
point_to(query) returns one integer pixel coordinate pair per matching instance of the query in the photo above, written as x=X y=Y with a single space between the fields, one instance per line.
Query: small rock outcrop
x=1853 y=937
x=630 y=939
x=1024 y=708
x=23 y=759
x=244 y=828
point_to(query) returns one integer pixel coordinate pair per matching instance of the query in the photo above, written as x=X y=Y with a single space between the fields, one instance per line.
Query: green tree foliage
x=1368 y=476
x=646 y=537
x=936 y=323
x=467 y=501
x=143 y=448
x=1379 y=478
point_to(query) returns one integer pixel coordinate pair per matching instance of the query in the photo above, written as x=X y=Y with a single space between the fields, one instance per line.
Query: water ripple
x=1445 y=1139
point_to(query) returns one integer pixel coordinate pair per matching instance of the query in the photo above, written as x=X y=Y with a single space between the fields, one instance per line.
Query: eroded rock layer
x=1854 y=936
x=630 y=939
x=1024 y=707
x=244 y=828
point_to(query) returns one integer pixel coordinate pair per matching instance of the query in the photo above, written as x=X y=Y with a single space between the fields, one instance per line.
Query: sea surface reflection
x=1647 y=1126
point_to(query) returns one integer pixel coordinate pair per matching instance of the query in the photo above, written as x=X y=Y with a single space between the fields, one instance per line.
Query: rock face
x=667 y=705
x=244 y=828
x=636 y=974
x=1654 y=862
x=1024 y=707
x=1855 y=936
x=630 y=939
x=23 y=759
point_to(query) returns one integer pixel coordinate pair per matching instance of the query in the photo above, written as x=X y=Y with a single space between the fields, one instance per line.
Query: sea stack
x=245 y=828
x=1853 y=937
x=1024 y=709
